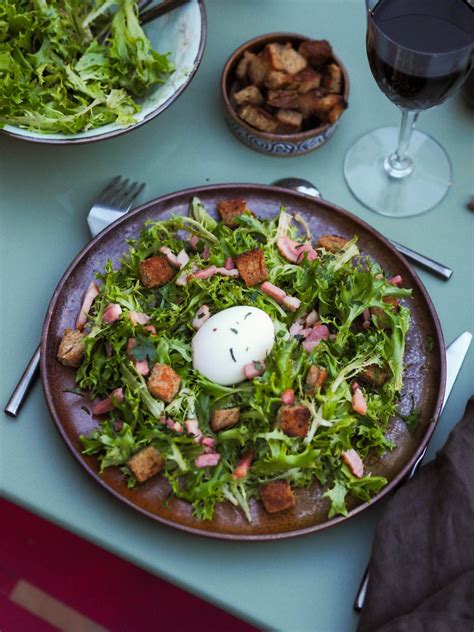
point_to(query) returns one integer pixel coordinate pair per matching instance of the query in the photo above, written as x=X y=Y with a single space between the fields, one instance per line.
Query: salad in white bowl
x=74 y=72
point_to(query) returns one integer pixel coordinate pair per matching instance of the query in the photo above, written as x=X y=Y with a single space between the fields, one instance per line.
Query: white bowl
x=182 y=32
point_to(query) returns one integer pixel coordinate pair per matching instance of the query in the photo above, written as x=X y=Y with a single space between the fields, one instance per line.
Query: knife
x=455 y=354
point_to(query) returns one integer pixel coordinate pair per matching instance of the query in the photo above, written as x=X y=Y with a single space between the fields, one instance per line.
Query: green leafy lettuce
x=74 y=65
x=341 y=287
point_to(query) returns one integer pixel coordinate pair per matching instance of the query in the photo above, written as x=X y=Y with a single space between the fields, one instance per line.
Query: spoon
x=436 y=268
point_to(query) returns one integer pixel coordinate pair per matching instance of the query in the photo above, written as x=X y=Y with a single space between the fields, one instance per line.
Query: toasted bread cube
x=257 y=117
x=278 y=79
x=277 y=496
x=284 y=58
x=307 y=101
x=317 y=52
x=286 y=99
x=224 y=418
x=375 y=375
x=230 y=209
x=332 y=79
x=155 y=271
x=243 y=65
x=290 y=120
x=325 y=104
x=336 y=111
x=307 y=80
x=331 y=243
x=163 y=382
x=257 y=70
x=294 y=420
x=315 y=378
x=250 y=94
x=146 y=463
x=71 y=348
x=383 y=320
x=251 y=266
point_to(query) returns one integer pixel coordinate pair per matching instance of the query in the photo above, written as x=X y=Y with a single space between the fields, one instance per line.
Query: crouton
x=155 y=271
x=224 y=418
x=383 y=320
x=284 y=58
x=294 y=420
x=286 y=99
x=250 y=94
x=306 y=102
x=393 y=301
x=325 y=104
x=257 y=117
x=277 y=496
x=257 y=70
x=251 y=266
x=316 y=52
x=146 y=463
x=230 y=209
x=243 y=65
x=279 y=79
x=336 y=111
x=290 y=121
x=315 y=378
x=375 y=375
x=306 y=80
x=71 y=348
x=332 y=79
x=163 y=382
x=331 y=243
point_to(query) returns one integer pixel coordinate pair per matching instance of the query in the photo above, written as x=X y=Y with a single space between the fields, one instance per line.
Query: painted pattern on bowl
x=281 y=147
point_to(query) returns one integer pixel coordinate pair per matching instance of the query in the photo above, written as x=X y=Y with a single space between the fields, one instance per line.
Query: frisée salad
x=241 y=359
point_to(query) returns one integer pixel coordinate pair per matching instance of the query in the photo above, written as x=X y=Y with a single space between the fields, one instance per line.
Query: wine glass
x=420 y=52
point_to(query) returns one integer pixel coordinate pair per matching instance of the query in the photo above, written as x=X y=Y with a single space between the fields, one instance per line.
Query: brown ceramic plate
x=424 y=377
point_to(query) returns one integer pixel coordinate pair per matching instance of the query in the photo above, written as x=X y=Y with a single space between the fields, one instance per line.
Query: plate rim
x=126 y=130
x=189 y=192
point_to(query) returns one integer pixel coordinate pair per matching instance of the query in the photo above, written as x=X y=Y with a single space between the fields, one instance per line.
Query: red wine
x=420 y=50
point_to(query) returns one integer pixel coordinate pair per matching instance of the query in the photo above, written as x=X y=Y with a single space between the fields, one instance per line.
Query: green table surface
x=299 y=584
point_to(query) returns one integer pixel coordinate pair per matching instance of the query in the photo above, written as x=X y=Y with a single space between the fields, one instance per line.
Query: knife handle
x=19 y=394
x=435 y=267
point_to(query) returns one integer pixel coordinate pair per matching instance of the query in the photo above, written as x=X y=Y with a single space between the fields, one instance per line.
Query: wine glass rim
x=413 y=50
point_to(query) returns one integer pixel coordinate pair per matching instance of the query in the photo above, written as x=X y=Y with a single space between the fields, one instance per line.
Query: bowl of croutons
x=284 y=93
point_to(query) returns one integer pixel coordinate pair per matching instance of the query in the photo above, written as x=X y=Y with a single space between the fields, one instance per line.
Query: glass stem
x=399 y=164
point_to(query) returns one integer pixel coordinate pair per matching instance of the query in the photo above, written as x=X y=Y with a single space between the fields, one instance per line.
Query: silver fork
x=115 y=200
x=112 y=202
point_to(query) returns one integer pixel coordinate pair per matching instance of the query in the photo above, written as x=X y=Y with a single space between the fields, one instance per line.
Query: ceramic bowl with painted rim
x=182 y=32
x=291 y=144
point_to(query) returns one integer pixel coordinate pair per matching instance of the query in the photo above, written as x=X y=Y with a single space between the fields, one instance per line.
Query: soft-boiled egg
x=231 y=339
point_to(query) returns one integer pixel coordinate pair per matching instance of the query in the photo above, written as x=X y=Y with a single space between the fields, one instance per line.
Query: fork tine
x=102 y=197
x=118 y=193
x=131 y=195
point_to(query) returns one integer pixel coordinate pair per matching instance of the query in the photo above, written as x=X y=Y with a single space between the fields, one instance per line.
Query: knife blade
x=455 y=354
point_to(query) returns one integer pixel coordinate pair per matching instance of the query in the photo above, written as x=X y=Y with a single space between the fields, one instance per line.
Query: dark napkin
x=422 y=564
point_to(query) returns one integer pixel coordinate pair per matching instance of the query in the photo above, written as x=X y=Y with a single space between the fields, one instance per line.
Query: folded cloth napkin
x=422 y=564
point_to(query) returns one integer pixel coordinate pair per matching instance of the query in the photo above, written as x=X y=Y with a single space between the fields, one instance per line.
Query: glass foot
x=416 y=193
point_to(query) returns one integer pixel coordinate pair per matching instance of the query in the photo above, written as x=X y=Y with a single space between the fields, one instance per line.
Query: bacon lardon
x=91 y=292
